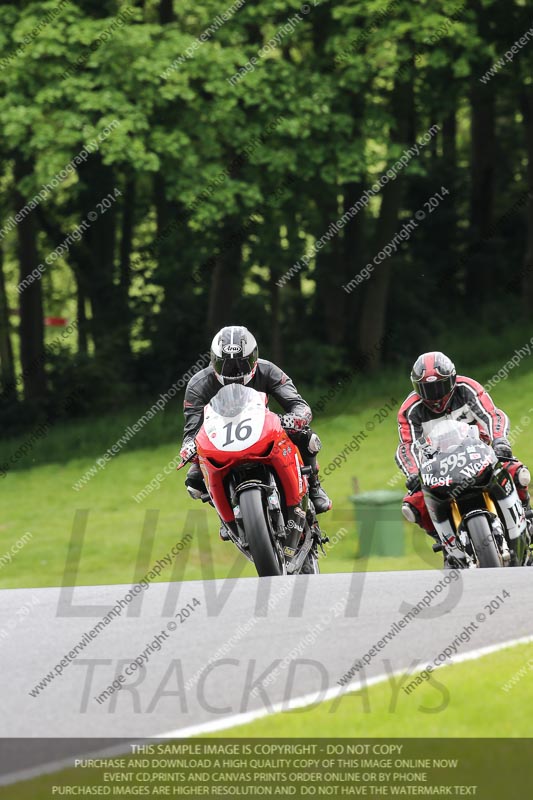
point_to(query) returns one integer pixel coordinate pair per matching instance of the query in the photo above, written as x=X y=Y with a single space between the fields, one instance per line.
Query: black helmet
x=433 y=377
x=234 y=355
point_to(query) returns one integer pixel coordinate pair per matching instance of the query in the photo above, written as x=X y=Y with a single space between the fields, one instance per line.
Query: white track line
x=237 y=720
x=310 y=699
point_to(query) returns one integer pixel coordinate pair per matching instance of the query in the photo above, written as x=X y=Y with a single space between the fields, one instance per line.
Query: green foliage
x=320 y=108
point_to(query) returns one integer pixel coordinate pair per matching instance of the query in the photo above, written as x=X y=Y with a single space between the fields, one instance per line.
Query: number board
x=238 y=433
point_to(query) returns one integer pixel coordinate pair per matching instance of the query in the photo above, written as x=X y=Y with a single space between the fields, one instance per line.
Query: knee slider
x=410 y=513
x=314 y=445
x=523 y=477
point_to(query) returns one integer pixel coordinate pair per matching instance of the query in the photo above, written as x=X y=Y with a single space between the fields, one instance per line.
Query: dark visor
x=233 y=367
x=435 y=390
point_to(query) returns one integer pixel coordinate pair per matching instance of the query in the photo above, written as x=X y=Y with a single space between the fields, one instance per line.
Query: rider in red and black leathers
x=439 y=392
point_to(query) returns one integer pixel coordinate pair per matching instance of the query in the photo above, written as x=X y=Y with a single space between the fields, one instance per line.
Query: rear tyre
x=485 y=548
x=262 y=548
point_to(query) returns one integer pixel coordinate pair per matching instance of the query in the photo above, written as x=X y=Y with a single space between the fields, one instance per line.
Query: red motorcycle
x=257 y=483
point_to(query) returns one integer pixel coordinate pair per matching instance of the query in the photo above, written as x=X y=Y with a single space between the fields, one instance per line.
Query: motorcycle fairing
x=261 y=441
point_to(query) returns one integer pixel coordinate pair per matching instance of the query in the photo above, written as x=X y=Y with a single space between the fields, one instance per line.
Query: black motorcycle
x=471 y=499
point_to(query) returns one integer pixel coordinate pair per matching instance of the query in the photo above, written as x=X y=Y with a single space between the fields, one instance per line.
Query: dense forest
x=346 y=178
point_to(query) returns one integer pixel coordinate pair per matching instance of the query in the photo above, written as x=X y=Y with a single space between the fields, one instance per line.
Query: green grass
x=41 y=499
x=446 y=707
x=464 y=700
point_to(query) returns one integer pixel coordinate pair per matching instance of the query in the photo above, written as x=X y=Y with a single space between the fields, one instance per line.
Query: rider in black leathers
x=234 y=359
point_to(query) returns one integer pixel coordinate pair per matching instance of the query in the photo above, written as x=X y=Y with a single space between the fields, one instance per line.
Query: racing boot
x=321 y=501
x=223 y=533
x=195 y=482
x=309 y=451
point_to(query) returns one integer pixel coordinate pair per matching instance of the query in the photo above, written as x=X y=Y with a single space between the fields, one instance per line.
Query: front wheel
x=262 y=548
x=485 y=549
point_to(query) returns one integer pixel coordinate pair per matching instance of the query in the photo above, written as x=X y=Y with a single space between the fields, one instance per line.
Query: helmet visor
x=434 y=390
x=234 y=369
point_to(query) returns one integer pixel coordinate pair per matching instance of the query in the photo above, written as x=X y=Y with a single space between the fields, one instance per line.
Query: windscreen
x=448 y=434
x=232 y=399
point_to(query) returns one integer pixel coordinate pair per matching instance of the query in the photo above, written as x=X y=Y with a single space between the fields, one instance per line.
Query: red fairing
x=274 y=448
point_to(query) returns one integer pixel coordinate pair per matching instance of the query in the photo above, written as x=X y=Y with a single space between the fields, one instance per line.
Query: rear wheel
x=485 y=548
x=264 y=552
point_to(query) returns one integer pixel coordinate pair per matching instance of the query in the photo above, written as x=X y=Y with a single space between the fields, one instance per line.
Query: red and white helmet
x=433 y=377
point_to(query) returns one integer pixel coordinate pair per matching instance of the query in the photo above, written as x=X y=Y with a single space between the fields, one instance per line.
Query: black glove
x=503 y=450
x=412 y=484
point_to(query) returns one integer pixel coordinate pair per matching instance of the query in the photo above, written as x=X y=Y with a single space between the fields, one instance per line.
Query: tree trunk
x=330 y=299
x=7 y=364
x=449 y=212
x=276 y=270
x=482 y=159
x=296 y=305
x=226 y=281
x=80 y=263
x=127 y=234
x=128 y=218
x=81 y=316
x=483 y=142
x=355 y=257
x=527 y=281
x=109 y=328
x=32 y=353
x=166 y=11
x=372 y=319
x=276 y=341
x=449 y=142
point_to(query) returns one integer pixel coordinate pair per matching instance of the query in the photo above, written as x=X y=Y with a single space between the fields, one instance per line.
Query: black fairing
x=461 y=474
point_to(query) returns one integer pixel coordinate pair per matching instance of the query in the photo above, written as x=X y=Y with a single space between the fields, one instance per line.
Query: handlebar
x=183 y=462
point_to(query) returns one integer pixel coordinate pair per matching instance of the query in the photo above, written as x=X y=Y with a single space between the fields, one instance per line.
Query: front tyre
x=262 y=548
x=485 y=549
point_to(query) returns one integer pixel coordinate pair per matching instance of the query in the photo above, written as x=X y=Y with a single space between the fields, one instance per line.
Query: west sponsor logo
x=472 y=470
x=432 y=480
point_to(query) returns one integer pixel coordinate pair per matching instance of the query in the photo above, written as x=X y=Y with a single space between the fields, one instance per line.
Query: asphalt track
x=240 y=633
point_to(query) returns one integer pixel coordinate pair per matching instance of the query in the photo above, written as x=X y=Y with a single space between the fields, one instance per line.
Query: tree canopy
x=170 y=167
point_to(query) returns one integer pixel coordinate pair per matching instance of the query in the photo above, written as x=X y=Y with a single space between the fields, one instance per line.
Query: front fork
x=513 y=550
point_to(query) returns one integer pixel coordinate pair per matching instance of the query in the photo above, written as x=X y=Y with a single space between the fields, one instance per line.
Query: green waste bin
x=380 y=523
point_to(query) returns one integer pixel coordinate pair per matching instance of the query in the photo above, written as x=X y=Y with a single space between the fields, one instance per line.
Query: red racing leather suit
x=469 y=403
